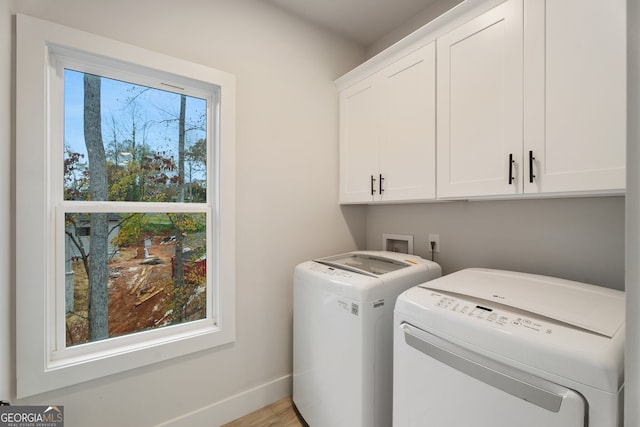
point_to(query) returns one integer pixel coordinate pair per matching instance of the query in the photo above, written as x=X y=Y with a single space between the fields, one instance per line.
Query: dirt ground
x=140 y=292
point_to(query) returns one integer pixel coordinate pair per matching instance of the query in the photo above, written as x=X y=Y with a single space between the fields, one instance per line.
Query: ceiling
x=362 y=21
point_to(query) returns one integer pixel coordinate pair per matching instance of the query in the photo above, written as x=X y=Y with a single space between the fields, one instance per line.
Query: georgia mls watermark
x=31 y=416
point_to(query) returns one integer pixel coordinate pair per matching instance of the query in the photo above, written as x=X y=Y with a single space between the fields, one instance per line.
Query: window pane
x=138 y=282
x=128 y=142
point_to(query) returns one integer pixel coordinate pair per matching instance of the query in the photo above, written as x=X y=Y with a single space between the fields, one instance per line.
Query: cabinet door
x=479 y=110
x=407 y=147
x=359 y=142
x=575 y=112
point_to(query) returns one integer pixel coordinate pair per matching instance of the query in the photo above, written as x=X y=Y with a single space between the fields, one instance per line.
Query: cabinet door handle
x=380 y=184
x=373 y=189
x=511 y=162
x=531 y=159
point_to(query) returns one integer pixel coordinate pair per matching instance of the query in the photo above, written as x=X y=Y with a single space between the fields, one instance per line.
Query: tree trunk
x=98 y=243
x=181 y=137
x=179 y=291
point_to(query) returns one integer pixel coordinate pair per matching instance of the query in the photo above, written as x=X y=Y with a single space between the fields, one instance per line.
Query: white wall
x=287 y=204
x=578 y=239
x=6 y=172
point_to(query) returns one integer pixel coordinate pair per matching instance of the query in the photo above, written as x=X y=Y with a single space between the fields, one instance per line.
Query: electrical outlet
x=434 y=238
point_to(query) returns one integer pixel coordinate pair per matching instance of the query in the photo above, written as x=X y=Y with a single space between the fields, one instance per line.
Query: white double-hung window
x=124 y=207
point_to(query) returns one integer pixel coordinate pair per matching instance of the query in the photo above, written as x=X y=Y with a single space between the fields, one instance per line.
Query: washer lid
x=365 y=263
x=594 y=308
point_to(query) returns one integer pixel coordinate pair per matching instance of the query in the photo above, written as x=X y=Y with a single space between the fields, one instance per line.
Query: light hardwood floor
x=278 y=414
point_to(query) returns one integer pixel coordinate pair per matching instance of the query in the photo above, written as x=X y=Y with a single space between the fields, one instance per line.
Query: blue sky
x=153 y=109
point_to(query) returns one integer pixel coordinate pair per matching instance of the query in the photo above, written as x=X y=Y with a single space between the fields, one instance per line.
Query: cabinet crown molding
x=417 y=39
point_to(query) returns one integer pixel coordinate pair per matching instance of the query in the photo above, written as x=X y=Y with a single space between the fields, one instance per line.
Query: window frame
x=41 y=366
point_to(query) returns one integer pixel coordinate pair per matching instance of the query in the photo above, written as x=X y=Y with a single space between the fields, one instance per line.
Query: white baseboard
x=234 y=407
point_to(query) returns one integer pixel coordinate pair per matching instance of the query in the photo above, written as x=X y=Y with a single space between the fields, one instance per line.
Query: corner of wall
x=428 y=14
x=234 y=407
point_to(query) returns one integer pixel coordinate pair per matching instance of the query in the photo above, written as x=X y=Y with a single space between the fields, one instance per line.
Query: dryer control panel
x=494 y=314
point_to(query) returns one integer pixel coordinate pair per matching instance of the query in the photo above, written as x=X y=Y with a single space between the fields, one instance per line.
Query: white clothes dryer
x=343 y=335
x=501 y=349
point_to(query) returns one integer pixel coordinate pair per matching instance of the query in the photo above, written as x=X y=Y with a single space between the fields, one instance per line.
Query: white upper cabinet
x=531 y=100
x=575 y=95
x=387 y=132
x=358 y=142
x=480 y=105
x=528 y=99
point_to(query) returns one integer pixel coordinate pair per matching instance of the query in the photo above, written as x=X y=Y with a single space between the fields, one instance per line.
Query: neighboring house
x=83 y=232
x=82 y=235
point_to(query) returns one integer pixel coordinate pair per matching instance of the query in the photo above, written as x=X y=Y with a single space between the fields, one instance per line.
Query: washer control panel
x=493 y=315
x=331 y=271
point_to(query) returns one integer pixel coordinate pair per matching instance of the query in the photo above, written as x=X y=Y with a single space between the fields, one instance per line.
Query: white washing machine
x=501 y=349
x=343 y=335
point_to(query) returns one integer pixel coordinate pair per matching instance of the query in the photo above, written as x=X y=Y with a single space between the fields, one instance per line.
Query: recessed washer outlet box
x=397 y=243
